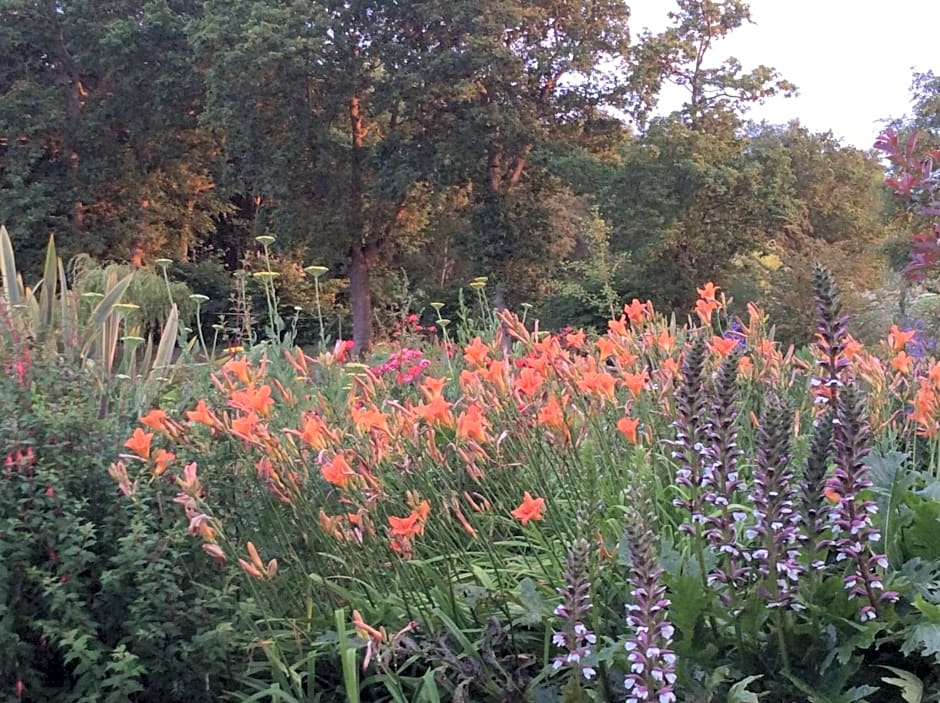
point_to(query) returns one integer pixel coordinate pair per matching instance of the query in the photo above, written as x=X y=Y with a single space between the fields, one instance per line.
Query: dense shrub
x=95 y=602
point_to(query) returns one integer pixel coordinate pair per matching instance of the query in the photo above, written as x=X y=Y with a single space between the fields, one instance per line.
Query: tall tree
x=99 y=108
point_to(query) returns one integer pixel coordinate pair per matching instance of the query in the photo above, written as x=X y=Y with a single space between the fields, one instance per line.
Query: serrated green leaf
x=924 y=638
x=532 y=601
x=912 y=688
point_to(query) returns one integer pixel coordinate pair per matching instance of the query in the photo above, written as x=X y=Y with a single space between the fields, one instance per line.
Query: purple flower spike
x=776 y=527
x=652 y=674
x=850 y=518
x=575 y=638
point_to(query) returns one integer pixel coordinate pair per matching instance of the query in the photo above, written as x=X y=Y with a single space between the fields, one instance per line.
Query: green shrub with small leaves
x=95 y=602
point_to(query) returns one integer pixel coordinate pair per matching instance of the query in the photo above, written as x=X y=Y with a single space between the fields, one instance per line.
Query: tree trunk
x=360 y=295
x=69 y=79
x=360 y=300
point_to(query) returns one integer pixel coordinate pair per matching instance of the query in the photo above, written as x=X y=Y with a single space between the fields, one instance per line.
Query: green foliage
x=95 y=601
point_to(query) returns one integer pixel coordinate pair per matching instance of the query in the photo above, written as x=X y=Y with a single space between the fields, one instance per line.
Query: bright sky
x=852 y=60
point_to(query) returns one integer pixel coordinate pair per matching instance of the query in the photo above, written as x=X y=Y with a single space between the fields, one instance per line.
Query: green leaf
x=924 y=638
x=740 y=694
x=48 y=291
x=103 y=310
x=11 y=287
x=922 y=536
x=912 y=688
x=535 y=607
x=892 y=482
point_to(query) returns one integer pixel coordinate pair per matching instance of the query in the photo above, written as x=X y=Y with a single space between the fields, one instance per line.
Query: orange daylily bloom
x=704 y=309
x=576 y=339
x=528 y=382
x=852 y=348
x=433 y=387
x=139 y=443
x=412 y=525
x=258 y=400
x=665 y=341
x=602 y=384
x=551 y=414
x=636 y=311
x=338 y=471
x=670 y=366
x=723 y=345
x=606 y=348
x=161 y=461
x=708 y=292
x=369 y=418
x=530 y=509
x=238 y=367
x=618 y=326
x=897 y=339
x=244 y=426
x=314 y=432
x=495 y=375
x=635 y=382
x=436 y=410
x=628 y=427
x=471 y=424
x=202 y=414
x=476 y=353
x=155 y=420
x=902 y=363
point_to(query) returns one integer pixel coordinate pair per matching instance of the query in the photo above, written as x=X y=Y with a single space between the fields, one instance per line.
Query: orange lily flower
x=705 y=308
x=665 y=341
x=338 y=471
x=495 y=375
x=238 y=367
x=409 y=526
x=161 y=461
x=576 y=339
x=258 y=400
x=155 y=420
x=902 y=363
x=708 y=292
x=314 y=432
x=433 y=387
x=897 y=339
x=635 y=382
x=369 y=418
x=139 y=443
x=476 y=353
x=202 y=415
x=530 y=509
x=471 y=424
x=636 y=311
x=551 y=414
x=244 y=426
x=723 y=345
x=436 y=410
x=528 y=382
x=606 y=348
x=628 y=427
x=618 y=326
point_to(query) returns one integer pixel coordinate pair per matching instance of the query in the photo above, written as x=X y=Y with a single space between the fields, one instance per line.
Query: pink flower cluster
x=407 y=365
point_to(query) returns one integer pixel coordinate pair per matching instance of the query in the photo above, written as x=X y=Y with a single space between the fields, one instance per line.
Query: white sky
x=852 y=60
